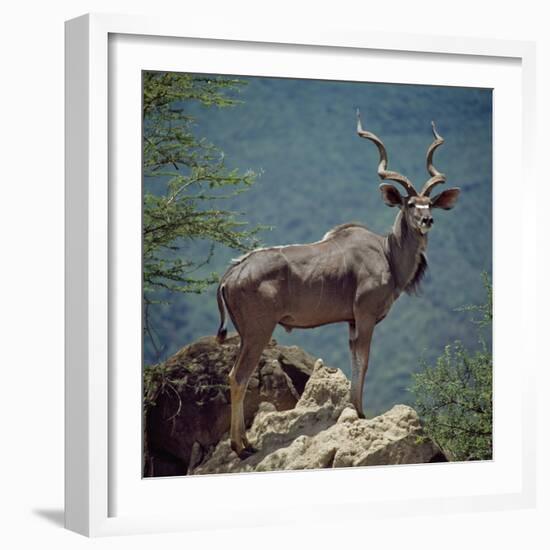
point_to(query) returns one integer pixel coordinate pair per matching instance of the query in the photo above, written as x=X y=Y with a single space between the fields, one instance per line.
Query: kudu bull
x=352 y=275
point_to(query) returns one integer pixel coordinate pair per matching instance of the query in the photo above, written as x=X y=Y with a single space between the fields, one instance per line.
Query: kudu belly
x=314 y=303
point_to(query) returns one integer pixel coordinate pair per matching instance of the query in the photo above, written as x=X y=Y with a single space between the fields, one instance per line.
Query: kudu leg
x=239 y=376
x=360 y=337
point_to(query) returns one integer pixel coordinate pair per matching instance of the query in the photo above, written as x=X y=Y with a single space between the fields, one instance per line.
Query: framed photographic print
x=250 y=220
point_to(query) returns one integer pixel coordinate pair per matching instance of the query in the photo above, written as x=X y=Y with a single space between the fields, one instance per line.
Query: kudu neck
x=406 y=251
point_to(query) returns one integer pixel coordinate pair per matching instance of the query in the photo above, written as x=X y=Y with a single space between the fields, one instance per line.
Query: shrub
x=454 y=398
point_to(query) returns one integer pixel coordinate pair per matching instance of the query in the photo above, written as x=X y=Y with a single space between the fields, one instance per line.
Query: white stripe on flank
x=247 y=254
x=422 y=206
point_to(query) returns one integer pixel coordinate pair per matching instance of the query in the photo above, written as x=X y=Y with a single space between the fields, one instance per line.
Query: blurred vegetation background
x=291 y=146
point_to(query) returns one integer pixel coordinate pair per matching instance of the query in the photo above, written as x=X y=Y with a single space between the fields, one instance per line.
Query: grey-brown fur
x=407 y=256
x=352 y=275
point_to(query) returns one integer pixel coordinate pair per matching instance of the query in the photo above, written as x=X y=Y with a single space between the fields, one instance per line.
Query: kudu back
x=351 y=275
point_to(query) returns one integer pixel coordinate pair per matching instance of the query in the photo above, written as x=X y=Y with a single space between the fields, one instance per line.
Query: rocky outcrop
x=190 y=405
x=324 y=431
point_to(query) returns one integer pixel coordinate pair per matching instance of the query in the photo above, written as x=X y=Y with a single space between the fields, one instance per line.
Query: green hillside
x=316 y=173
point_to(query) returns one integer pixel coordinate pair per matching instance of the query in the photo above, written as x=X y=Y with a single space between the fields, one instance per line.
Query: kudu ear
x=391 y=196
x=446 y=199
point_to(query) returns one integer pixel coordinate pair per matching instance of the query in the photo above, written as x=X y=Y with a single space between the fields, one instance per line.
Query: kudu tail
x=222 y=307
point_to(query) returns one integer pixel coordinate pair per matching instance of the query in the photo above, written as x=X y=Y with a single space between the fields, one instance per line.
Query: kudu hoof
x=247 y=452
x=360 y=412
x=243 y=452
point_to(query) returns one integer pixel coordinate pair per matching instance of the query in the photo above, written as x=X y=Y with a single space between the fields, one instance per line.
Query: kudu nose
x=427 y=220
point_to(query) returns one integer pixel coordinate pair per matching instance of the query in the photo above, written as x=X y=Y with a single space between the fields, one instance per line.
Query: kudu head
x=416 y=207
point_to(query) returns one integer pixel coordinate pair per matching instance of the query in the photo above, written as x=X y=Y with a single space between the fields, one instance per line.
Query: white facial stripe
x=422 y=206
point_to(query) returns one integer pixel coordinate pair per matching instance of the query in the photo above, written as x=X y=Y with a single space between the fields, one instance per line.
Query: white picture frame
x=104 y=491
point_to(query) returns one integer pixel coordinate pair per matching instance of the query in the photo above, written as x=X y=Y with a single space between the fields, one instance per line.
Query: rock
x=191 y=409
x=349 y=414
x=323 y=430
